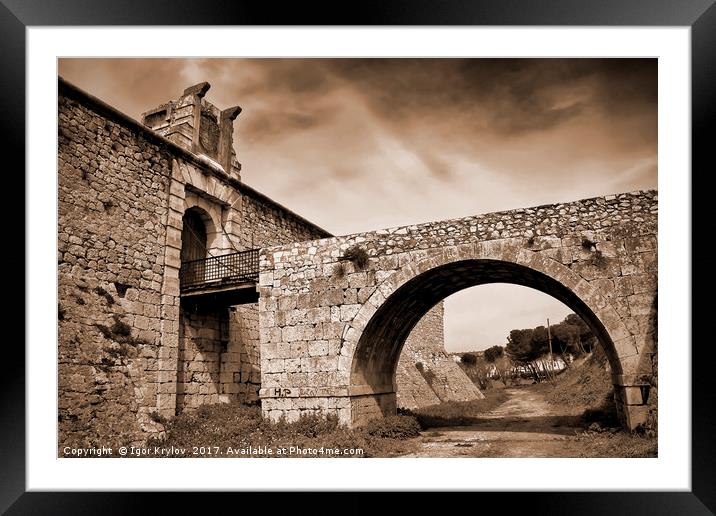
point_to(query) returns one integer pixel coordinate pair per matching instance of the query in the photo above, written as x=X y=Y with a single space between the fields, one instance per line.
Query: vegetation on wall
x=358 y=256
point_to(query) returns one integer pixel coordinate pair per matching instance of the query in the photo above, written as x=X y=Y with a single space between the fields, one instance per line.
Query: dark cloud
x=455 y=99
x=507 y=96
x=535 y=117
x=438 y=166
x=301 y=77
x=269 y=124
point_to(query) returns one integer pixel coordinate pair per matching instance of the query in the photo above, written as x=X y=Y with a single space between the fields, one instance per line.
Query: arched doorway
x=193 y=236
x=196 y=240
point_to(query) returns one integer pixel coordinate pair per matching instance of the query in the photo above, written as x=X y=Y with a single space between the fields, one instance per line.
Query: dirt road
x=525 y=425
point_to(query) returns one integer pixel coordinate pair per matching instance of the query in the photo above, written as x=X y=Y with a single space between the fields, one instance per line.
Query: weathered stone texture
x=200 y=354
x=113 y=187
x=218 y=358
x=248 y=221
x=426 y=375
x=264 y=225
x=368 y=407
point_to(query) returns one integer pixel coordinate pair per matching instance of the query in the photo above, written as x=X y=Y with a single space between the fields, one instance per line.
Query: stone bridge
x=332 y=327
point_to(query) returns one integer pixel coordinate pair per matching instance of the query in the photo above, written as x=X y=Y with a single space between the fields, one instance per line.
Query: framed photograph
x=429 y=241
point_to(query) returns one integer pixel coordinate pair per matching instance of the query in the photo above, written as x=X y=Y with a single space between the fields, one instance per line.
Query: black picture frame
x=699 y=15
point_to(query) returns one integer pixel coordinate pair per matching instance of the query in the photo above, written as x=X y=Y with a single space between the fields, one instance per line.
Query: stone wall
x=413 y=382
x=201 y=352
x=113 y=188
x=263 y=223
x=218 y=357
x=129 y=353
x=598 y=256
x=238 y=220
x=241 y=375
x=426 y=375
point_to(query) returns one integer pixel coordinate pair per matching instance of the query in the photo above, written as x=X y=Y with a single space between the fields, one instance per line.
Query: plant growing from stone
x=588 y=244
x=358 y=256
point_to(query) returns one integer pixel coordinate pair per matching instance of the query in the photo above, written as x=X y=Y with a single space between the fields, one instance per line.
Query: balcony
x=228 y=279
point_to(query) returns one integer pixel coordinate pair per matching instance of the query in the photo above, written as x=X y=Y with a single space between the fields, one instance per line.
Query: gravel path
x=525 y=425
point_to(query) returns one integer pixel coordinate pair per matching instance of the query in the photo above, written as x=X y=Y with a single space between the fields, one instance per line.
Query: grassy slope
x=587 y=386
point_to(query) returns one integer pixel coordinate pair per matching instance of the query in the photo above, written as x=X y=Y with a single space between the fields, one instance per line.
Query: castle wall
x=219 y=357
x=112 y=210
x=129 y=354
x=426 y=375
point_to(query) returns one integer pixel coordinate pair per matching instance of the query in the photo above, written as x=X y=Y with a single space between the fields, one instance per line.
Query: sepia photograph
x=357 y=257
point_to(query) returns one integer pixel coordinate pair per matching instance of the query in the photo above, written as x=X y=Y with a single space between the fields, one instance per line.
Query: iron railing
x=221 y=270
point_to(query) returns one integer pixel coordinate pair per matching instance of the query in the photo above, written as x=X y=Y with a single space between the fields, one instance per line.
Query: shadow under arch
x=194 y=374
x=376 y=354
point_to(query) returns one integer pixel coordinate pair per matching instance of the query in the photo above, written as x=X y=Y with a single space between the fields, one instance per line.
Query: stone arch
x=372 y=342
x=221 y=200
x=211 y=215
x=207 y=182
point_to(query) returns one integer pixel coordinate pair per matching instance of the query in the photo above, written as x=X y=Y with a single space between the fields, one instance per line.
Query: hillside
x=586 y=383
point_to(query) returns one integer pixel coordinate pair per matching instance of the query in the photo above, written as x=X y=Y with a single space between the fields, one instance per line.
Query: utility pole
x=549 y=338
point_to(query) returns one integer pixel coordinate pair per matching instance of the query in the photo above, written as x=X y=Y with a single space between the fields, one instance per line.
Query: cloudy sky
x=362 y=144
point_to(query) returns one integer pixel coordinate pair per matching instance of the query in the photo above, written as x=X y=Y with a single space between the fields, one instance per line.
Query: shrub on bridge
x=358 y=256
